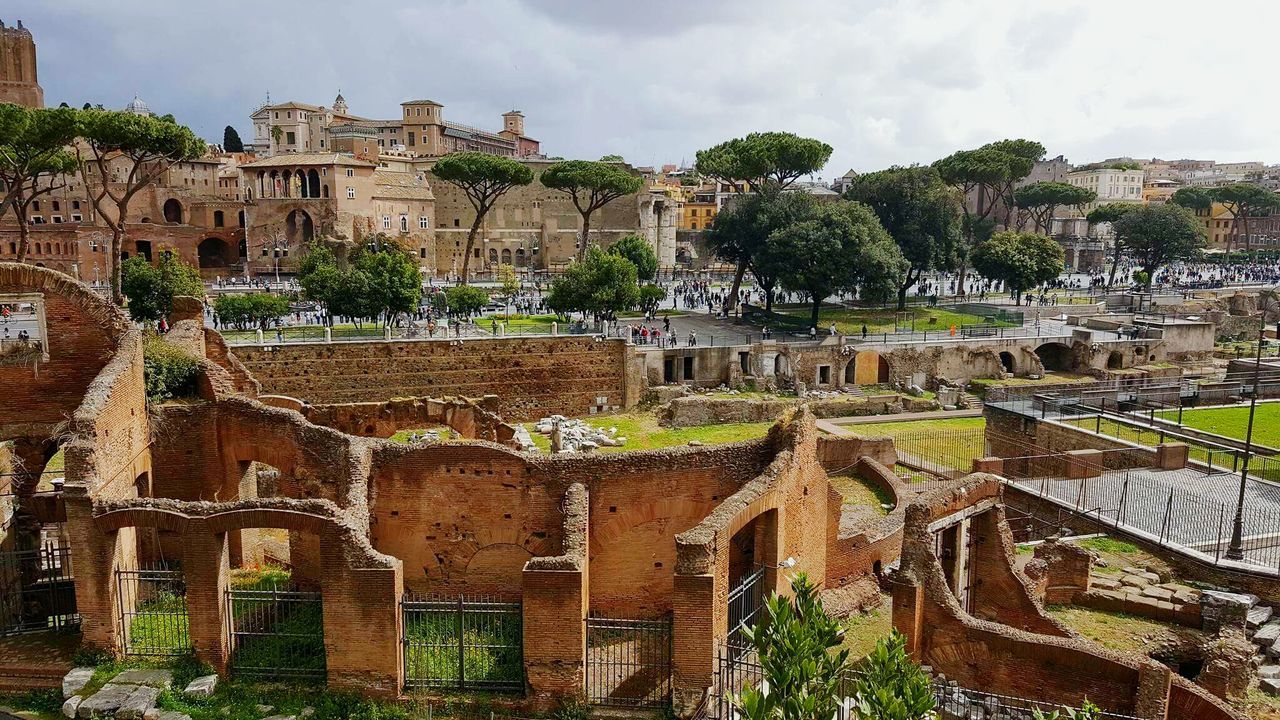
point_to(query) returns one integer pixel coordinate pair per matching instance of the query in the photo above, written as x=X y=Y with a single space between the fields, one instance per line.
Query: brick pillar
x=95 y=555
x=555 y=637
x=362 y=620
x=993 y=465
x=693 y=639
x=1171 y=456
x=1152 y=699
x=206 y=569
x=908 y=614
x=1083 y=463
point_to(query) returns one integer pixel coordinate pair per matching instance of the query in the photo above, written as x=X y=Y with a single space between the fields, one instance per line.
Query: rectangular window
x=290 y=138
x=411 y=138
x=57 y=218
x=76 y=217
x=56 y=205
x=75 y=204
x=422 y=222
x=351 y=173
x=351 y=193
x=386 y=222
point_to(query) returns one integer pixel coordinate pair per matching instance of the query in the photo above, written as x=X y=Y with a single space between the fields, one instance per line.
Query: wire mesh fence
x=463 y=643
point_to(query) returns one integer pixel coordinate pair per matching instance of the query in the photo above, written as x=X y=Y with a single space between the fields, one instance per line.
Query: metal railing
x=37 y=591
x=746 y=599
x=153 y=611
x=629 y=662
x=276 y=633
x=463 y=643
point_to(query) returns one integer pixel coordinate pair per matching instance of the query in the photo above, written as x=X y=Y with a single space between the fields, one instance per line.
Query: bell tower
x=18 y=82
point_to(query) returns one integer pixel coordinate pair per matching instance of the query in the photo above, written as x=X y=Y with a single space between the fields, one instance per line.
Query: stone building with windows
x=18 y=81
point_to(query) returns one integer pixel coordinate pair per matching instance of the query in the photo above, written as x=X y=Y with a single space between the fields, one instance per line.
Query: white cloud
x=884 y=82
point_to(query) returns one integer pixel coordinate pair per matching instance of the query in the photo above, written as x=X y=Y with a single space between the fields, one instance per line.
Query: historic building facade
x=18 y=82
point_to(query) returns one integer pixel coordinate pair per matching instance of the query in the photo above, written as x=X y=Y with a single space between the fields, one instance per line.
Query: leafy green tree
x=636 y=249
x=602 y=285
x=1193 y=198
x=796 y=643
x=151 y=288
x=508 y=283
x=742 y=231
x=919 y=211
x=251 y=309
x=612 y=159
x=1155 y=235
x=1021 y=260
x=1041 y=200
x=120 y=154
x=1244 y=200
x=320 y=277
x=394 y=282
x=231 y=141
x=759 y=160
x=651 y=296
x=591 y=186
x=484 y=179
x=892 y=687
x=465 y=300
x=1110 y=213
x=841 y=247
x=34 y=160
x=989 y=173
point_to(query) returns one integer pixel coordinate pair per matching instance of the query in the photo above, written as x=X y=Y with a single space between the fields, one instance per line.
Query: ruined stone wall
x=533 y=377
x=699 y=410
x=467 y=417
x=859 y=552
x=836 y=453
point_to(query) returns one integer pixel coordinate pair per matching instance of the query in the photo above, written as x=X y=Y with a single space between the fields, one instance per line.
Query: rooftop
x=292 y=159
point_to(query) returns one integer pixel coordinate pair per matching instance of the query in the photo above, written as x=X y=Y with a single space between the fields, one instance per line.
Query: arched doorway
x=506 y=256
x=298 y=226
x=870 y=368
x=1007 y=362
x=313 y=180
x=781 y=366
x=520 y=259
x=850 y=373
x=882 y=371
x=1115 y=360
x=493 y=256
x=1055 y=356
x=172 y=211
x=214 y=253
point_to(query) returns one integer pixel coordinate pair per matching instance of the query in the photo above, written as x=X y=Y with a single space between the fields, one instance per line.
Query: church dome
x=137 y=107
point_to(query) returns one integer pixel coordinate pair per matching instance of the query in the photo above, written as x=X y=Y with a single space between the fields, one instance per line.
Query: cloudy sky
x=882 y=81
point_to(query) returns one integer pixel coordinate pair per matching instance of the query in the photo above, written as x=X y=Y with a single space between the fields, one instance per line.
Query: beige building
x=420 y=131
x=1110 y=184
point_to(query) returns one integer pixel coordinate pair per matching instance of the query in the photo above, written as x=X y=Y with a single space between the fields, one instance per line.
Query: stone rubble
x=74 y=681
x=569 y=435
x=130 y=695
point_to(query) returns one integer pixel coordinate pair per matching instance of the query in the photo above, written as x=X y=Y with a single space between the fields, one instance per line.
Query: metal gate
x=36 y=590
x=463 y=643
x=153 y=611
x=276 y=633
x=745 y=601
x=629 y=662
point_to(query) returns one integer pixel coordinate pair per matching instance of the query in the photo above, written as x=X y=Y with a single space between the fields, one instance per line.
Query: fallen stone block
x=142 y=699
x=1270 y=686
x=1268 y=633
x=1259 y=614
x=1157 y=592
x=69 y=707
x=162 y=679
x=1104 y=583
x=202 y=686
x=1135 y=580
x=74 y=681
x=106 y=701
x=1269 y=672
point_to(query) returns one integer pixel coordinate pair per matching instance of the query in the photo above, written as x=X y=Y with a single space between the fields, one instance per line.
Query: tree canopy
x=250 y=309
x=231 y=141
x=151 y=289
x=636 y=249
x=763 y=157
x=602 y=284
x=379 y=281
x=1041 y=199
x=919 y=211
x=1243 y=201
x=34 y=159
x=466 y=300
x=1019 y=259
x=148 y=146
x=1108 y=212
x=1193 y=198
x=591 y=186
x=1155 y=235
x=742 y=231
x=483 y=178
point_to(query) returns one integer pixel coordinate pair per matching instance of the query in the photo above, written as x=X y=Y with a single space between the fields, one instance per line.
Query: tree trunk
x=117 y=240
x=24 y=237
x=730 y=300
x=768 y=298
x=817 y=306
x=471 y=241
x=586 y=235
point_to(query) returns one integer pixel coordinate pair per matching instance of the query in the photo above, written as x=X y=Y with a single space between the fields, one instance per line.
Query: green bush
x=251 y=310
x=151 y=289
x=169 y=372
x=466 y=299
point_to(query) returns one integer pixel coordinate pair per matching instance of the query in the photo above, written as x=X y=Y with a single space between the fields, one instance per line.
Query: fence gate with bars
x=629 y=662
x=463 y=643
x=153 y=611
x=276 y=633
x=745 y=601
x=36 y=590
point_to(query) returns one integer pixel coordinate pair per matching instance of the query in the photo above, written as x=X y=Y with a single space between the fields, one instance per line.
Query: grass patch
x=1120 y=631
x=444 y=433
x=1110 y=545
x=263 y=577
x=643 y=432
x=161 y=626
x=953 y=442
x=862 y=631
x=849 y=321
x=516 y=323
x=1233 y=422
x=863 y=493
x=491 y=647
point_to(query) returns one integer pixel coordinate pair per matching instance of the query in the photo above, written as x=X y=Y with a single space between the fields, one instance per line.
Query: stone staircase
x=16 y=680
x=969 y=401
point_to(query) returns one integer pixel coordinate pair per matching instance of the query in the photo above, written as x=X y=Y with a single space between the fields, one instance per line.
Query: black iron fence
x=37 y=591
x=746 y=599
x=276 y=633
x=629 y=662
x=463 y=643
x=153 y=611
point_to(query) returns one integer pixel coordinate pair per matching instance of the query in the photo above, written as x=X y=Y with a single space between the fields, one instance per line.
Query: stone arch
x=493 y=256
x=1008 y=362
x=506 y=256
x=1055 y=356
x=213 y=252
x=781 y=366
x=497 y=568
x=850 y=372
x=298 y=226
x=1115 y=360
x=313 y=180
x=520 y=258
x=172 y=211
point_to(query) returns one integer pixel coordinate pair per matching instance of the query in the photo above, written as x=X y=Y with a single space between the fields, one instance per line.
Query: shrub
x=466 y=299
x=169 y=372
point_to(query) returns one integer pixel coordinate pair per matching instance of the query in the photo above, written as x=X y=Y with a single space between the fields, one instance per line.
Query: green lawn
x=1233 y=421
x=862 y=493
x=642 y=431
x=304 y=332
x=849 y=321
x=953 y=442
x=443 y=432
x=863 y=630
x=519 y=324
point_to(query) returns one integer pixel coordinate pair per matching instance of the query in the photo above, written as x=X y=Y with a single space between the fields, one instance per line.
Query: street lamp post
x=1235 y=551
